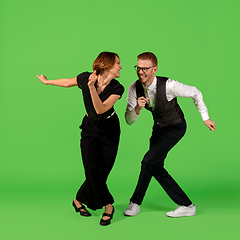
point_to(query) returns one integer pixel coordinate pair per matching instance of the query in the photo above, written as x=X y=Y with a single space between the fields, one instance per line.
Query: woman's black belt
x=102 y=117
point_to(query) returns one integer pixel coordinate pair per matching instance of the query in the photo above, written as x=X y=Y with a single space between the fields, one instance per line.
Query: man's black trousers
x=161 y=142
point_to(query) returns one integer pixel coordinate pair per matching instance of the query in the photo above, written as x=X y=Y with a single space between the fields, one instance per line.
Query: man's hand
x=210 y=124
x=141 y=102
x=92 y=79
x=42 y=78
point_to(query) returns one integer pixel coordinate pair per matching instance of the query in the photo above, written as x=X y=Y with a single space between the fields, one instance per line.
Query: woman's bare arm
x=100 y=107
x=63 y=82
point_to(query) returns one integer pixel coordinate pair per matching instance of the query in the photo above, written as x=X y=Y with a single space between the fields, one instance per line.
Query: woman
x=100 y=131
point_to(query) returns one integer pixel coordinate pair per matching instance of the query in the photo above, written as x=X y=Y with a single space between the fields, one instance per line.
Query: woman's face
x=115 y=70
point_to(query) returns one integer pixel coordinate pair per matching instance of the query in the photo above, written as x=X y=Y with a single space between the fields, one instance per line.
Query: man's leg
x=142 y=185
x=169 y=137
x=162 y=141
x=138 y=195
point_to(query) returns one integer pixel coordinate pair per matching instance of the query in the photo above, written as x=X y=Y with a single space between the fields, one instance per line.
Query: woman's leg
x=94 y=192
x=109 y=150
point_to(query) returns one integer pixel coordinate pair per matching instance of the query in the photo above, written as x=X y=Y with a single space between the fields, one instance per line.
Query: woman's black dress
x=99 y=145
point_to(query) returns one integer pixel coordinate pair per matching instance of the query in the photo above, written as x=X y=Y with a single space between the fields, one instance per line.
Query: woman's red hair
x=104 y=61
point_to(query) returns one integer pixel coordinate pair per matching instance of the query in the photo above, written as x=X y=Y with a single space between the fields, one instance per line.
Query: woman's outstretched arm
x=63 y=82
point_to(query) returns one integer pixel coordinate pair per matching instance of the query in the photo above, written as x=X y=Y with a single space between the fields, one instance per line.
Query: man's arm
x=141 y=102
x=63 y=82
x=177 y=89
x=130 y=114
x=210 y=124
x=134 y=105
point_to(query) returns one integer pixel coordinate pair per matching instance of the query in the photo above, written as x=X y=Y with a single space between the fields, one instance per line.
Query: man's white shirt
x=173 y=89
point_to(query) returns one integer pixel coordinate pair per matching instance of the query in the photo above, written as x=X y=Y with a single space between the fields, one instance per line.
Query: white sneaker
x=132 y=209
x=183 y=211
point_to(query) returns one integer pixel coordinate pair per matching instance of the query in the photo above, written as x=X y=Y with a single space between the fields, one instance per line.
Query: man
x=158 y=95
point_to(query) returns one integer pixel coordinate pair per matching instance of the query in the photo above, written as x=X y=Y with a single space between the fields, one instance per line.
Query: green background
x=196 y=42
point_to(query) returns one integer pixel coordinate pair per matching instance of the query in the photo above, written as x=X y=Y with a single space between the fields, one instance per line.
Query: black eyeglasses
x=144 y=69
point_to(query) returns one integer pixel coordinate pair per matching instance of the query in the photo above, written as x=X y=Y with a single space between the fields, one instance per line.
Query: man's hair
x=104 y=61
x=148 y=55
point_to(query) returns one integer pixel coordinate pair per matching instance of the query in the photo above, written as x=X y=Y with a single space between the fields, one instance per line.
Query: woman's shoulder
x=116 y=83
x=117 y=87
x=84 y=75
x=82 y=78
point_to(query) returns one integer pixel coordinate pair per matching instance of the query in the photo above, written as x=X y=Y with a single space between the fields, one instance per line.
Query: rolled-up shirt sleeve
x=130 y=114
x=177 y=89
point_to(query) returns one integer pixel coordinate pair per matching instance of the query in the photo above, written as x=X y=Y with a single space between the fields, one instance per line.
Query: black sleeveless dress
x=99 y=145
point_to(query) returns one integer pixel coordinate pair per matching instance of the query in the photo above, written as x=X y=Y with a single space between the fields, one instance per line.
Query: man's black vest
x=164 y=112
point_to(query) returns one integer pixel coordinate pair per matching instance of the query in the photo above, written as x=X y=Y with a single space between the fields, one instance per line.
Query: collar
x=152 y=86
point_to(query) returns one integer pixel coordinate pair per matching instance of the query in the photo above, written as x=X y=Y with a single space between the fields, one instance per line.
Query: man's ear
x=155 y=69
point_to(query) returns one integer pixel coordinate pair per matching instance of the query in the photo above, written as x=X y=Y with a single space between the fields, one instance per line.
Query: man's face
x=146 y=71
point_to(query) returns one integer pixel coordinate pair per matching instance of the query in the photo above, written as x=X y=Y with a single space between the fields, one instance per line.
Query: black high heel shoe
x=108 y=221
x=82 y=213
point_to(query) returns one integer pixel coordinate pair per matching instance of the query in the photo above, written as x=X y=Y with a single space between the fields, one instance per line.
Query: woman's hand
x=42 y=78
x=92 y=79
